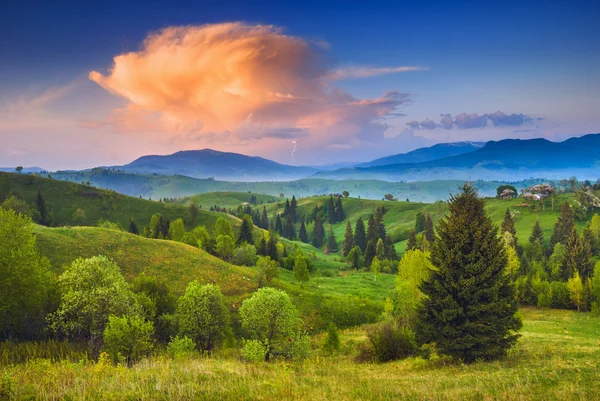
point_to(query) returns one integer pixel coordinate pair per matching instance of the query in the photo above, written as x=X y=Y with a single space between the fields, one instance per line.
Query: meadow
x=555 y=359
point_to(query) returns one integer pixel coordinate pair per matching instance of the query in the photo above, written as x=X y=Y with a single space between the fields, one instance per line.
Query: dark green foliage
x=508 y=225
x=412 y=241
x=579 y=256
x=278 y=225
x=332 y=341
x=302 y=234
x=194 y=210
x=419 y=222
x=4 y=186
x=379 y=225
x=428 y=231
x=339 y=210
x=293 y=206
x=348 y=239
x=288 y=228
x=586 y=268
x=133 y=228
x=246 y=229
x=272 y=247
x=388 y=341
x=564 y=226
x=390 y=250
x=332 y=245
x=536 y=233
x=41 y=207
x=319 y=233
x=360 y=236
x=469 y=309
x=331 y=215
x=264 y=219
x=355 y=258
x=370 y=252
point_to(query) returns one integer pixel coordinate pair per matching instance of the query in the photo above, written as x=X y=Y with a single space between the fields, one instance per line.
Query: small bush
x=332 y=341
x=180 y=347
x=254 y=351
x=300 y=347
x=388 y=341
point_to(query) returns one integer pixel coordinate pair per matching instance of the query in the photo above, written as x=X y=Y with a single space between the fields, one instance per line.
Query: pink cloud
x=237 y=83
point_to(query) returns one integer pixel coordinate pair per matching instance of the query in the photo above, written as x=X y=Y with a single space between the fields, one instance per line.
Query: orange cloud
x=240 y=82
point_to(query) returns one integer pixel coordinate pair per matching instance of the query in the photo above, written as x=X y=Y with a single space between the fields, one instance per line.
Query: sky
x=84 y=85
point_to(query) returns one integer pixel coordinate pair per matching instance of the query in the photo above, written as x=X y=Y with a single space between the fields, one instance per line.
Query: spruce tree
x=372 y=230
x=508 y=224
x=272 y=247
x=319 y=233
x=302 y=232
x=390 y=250
x=339 y=210
x=288 y=228
x=380 y=226
x=537 y=234
x=564 y=226
x=412 y=241
x=262 y=247
x=264 y=219
x=278 y=225
x=360 y=237
x=331 y=217
x=287 y=208
x=348 y=240
x=293 y=206
x=133 y=228
x=246 y=230
x=419 y=222
x=41 y=207
x=332 y=245
x=428 y=229
x=586 y=266
x=469 y=308
x=379 y=249
x=369 y=252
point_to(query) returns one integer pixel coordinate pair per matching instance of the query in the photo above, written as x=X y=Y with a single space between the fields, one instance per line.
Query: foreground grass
x=556 y=358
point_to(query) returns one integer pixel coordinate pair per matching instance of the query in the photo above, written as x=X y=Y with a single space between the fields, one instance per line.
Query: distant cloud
x=512 y=120
x=241 y=82
x=413 y=124
x=470 y=121
x=427 y=124
x=447 y=121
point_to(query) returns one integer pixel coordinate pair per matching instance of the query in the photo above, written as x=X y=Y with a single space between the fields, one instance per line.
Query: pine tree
x=537 y=234
x=331 y=217
x=264 y=219
x=339 y=210
x=428 y=229
x=262 y=247
x=360 y=237
x=380 y=249
x=256 y=218
x=288 y=228
x=372 y=230
x=302 y=232
x=508 y=225
x=272 y=247
x=380 y=226
x=287 y=208
x=369 y=252
x=332 y=245
x=586 y=266
x=278 y=225
x=41 y=207
x=246 y=230
x=390 y=250
x=412 y=241
x=348 y=239
x=564 y=225
x=419 y=222
x=319 y=233
x=133 y=228
x=469 y=308
x=293 y=206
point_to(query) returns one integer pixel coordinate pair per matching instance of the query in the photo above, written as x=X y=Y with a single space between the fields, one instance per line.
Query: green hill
x=64 y=198
x=228 y=199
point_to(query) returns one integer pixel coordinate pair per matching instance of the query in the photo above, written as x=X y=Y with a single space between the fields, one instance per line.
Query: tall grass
x=54 y=350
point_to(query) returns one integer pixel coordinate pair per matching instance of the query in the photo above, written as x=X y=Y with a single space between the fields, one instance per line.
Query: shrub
x=244 y=255
x=254 y=351
x=388 y=341
x=180 y=347
x=128 y=338
x=332 y=341
x=560 y=295
x=300 y=347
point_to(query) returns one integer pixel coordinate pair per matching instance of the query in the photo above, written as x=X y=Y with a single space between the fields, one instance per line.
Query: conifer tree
x=508 y=225
x=332 y=245
x=390 y=250
x=536 y=233
x=412 y=241
x=133 y=228
x=264 y=219
x=289 y=230
x=331 y=217
x=369 y=252
x=262 y=247
x=302 y=232
x=586 y=269
x=419 y=223
x=380 y=226
x=372 y=230
x=319 y=233
x=246 y=230
x=293 y=206
x=428 y=229
x=272 y=247
x=360 y=237
x=564 y=225
x=348 y=240
x=278 y=225
x=469 y=309
x=379 y=249
x=339 y=210
x=41 y=207
x=287 y=208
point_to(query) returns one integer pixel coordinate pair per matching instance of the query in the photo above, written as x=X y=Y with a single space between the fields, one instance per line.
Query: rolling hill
x=207 y=163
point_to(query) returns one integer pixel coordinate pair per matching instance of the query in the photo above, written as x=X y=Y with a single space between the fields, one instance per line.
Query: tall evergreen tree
x=293 y=206
x=287 y=208
x=370 y=252
x=348 y=240
x=278 y=225
x=360 y=236
x=246 y=230
x=564 y=225
x=536 y=233
x=302 y=234
x=262 y=247
x=419 y=222
x=508 y=225
x=469 y=308
x=412 y=241
x=390 y=250
x=332 y=245
x=331 y=216
x=133 y=228
x=319 y=233
x=264 y=219
x=586 y=267
x=339 y=210
x=380 y=226
x=380 y=249
x=41 y=207
x=288 y=228
x=428 y=229
x=272 y=247
x=372 y=230
x=256 y=218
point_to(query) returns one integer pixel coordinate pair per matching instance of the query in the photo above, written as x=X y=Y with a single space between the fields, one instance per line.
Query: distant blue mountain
x=207 y=163
x=439 y=151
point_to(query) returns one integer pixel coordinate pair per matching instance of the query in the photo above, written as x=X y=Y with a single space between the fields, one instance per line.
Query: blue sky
x=535 y=59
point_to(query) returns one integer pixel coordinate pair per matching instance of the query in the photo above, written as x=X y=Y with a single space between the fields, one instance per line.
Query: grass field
x=227 y=199
x=555 y=359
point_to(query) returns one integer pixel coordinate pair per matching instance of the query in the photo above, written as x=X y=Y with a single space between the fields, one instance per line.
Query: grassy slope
x=228 y=199
x=556 y=359
x=64 y=198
